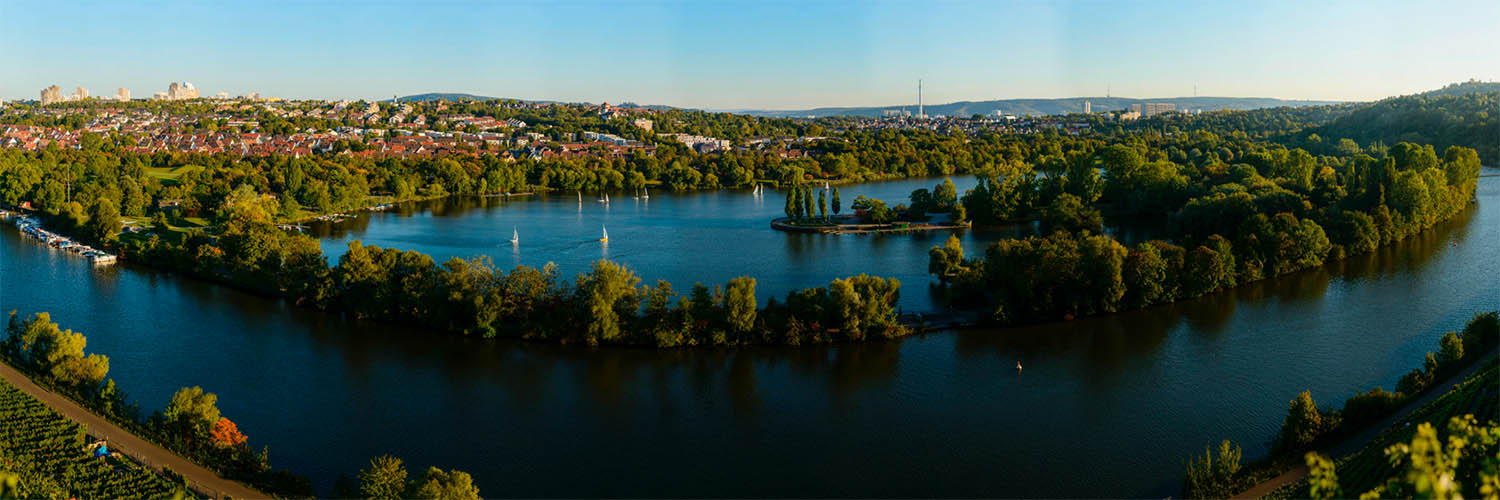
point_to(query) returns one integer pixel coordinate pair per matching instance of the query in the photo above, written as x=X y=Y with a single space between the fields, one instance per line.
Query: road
x=1357 y=442
x=141 y=450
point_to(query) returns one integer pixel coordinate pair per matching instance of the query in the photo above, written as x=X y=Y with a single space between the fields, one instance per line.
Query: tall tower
x=920 y=112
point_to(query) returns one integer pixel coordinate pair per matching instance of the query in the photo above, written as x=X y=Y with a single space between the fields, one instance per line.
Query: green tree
x=944 y=195
x=384 y=479
x=1302 y=423
x=1210 y=478
x=822 y=205
x=741 y=303
x=791 y=203
x=104 y=221
x=435 y=484
x=1067 y=212
x=159 y=223
x=836 y=204
x=191 y=413
x=611 y=298
x=1451 y=349
x=947 y=260
x=807 y=203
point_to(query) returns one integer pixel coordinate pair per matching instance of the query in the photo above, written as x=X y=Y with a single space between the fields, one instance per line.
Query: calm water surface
x=679 y=237
x=1108 y=406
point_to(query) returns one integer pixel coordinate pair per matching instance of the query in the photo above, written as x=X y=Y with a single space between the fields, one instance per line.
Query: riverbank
x=268 y=359
x=1282 y=485
x=143 y=451
x=843 y=224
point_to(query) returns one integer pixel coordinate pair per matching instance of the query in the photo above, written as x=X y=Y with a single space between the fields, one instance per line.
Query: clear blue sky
x=759 y=54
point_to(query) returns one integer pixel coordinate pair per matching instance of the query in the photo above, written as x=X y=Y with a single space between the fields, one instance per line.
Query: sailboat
x=580 y=197
x=645 y=194
x=515 y=236
x=606 y=234
x=825 y=185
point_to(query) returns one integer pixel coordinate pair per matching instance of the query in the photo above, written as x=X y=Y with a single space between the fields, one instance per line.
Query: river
x=1107 y=406
x=684 y=238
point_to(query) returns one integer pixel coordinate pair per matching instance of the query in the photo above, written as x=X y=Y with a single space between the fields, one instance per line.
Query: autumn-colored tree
x=226 y=435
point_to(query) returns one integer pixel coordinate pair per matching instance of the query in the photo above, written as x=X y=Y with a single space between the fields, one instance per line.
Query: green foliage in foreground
x=385 y=479
x=38 y=347
x=1307 y=427
x=1210 y=478
x=48 y=457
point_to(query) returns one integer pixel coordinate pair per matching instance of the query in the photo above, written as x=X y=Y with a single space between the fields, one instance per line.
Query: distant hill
x=1464 y=88
x=442 y=96
x=457 y=96
x=1462 y=114
x=1020 y=107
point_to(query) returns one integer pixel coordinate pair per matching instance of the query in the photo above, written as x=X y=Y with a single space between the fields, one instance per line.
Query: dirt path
x=1354 y=443
x=143 y=451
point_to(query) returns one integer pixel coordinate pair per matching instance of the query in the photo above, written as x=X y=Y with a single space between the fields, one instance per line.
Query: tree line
x=1236 y=226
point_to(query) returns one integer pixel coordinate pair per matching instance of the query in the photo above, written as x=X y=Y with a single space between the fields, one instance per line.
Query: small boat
x=1018 y=366
x=515 y=236
x=825 y=185
x=606 y=234
x=645 y=194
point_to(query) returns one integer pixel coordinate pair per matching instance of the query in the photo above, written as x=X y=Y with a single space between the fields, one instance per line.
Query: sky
x=728 y=55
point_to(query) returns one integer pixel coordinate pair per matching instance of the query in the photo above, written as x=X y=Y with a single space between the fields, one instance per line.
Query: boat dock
x=32 y=228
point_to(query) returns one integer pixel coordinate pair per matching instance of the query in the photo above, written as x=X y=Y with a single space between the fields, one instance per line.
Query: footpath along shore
x=200 y=479
x=1354 y=443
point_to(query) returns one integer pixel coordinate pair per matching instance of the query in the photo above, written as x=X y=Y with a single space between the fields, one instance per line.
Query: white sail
x=515 y=235
x=645 y=194
x=606 y=234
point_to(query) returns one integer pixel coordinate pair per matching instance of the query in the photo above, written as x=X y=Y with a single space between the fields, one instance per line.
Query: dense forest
x=1270 y=212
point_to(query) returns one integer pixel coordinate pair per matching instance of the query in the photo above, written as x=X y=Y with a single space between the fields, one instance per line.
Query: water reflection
x=942 y=414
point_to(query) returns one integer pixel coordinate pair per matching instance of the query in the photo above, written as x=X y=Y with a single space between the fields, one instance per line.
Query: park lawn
x=168 y=176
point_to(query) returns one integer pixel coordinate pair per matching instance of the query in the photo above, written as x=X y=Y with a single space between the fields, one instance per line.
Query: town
x=181 y=121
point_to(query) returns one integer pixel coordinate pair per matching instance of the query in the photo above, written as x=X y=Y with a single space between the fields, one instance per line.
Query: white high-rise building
x=1088 y=107
x=177 y=91
x=80 y=94
x=122 y=95
x=51 y=94
x=1156 y=108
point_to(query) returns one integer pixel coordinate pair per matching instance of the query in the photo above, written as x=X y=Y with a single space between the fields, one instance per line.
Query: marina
x=32 y=228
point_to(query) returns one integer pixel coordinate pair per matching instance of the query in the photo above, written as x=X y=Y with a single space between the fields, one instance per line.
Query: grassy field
x=48 y=452
x=168 y=176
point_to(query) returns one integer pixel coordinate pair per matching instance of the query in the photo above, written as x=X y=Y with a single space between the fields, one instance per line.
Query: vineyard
x=1363 y=471
x=50 y=455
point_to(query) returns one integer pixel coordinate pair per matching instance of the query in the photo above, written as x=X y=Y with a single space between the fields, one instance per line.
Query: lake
x=1106 y=406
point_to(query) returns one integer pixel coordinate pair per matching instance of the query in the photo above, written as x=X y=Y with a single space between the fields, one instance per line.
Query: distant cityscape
x=405 y=129
x=175 y=92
